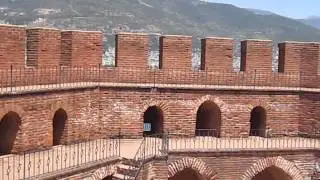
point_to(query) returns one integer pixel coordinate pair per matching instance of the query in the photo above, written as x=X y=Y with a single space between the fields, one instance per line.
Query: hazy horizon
x=290 y=8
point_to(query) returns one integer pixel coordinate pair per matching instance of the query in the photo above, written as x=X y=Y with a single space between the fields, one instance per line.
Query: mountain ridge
x=191 y=17
x=312 y=21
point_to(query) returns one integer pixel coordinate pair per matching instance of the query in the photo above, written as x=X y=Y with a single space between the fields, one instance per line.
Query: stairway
x=127 y=170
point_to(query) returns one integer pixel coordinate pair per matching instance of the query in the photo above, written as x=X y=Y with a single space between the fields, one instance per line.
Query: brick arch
x=219 y=102
x=222 y=108
x=103 y=172
x=59 y=105
x=12 y=108
x=159 y=126
x=196 y=164
x=163 y=106
x=262 y=104
x=288 y=167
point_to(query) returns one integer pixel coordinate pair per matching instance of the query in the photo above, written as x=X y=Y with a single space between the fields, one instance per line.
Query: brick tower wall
x=13 y=44
x=43 y=47
x=217 y=54
x=256 y=55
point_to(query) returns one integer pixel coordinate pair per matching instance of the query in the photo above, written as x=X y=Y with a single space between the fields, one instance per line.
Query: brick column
x=175 y=52
x=256 y=55
x=81 y=48
x=299 y=57
x=132 y=50
x=43 y=47
x=217 y=54
x=12 y=48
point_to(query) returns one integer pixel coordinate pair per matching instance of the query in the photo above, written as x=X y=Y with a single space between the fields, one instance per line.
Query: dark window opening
x=9 y=127
x=187 y=174
x=258 y=122
x=153 y=121
x=272 y=173
x=208 y=120
x=59 y=123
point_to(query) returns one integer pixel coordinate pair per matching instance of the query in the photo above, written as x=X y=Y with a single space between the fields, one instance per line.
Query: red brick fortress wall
x=94 y=113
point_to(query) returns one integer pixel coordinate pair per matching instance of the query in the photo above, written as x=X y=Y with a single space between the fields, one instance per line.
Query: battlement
x=47 y=47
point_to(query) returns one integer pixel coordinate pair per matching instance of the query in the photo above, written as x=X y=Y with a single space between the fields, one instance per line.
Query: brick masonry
x=81 y=48
x=175 y=52
x=40 y=53
x=12 y=49
x=217 y=54
x=132 y=51
x=241 y=165
x=102 y=112
x=256 y=55
x=111 y=110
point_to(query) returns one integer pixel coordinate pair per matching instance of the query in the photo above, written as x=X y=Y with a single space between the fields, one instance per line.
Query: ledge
x=81 y=85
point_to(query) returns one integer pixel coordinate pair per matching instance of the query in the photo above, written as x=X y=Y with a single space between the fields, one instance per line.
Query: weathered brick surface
x=43 y=47
x=310 y=113
x=93 y=113
x=303 y=58
x=39 y=112
x=256 y=55
x=81 y=48
x=12 y=49
x=243 y=166
x=217 y=54
x=132 y=50
x=175 y=52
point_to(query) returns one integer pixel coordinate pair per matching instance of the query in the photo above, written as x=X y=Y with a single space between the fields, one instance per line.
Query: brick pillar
x=299 y=57
x=43 y=47
x=217 y=54
x=175 y=52
x=256 y=55
x=81 y=48
x=132 y=50
x=12 y=48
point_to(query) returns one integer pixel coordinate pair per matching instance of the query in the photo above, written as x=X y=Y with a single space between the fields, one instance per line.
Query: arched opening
x=108 y=178
x=9 y=127
x=153 y=121
x=258 y=122
x=272 y=173
x=208 y=120
x=59 y=121
x=187 y=174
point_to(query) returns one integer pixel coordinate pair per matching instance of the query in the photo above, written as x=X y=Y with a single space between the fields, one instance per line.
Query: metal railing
x=255 y=139
x=59 y=159
x=32 y=165
x=26 y=79
x=150 y=147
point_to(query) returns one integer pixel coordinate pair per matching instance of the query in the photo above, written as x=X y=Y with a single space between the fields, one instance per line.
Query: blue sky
x=289 y=8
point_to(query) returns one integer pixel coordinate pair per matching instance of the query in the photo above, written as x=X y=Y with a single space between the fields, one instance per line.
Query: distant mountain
x=261 y=12
x=312 y=21
x=189 y=17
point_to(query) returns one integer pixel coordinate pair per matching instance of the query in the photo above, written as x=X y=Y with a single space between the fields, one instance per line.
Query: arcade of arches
x=270 y=173
x=208 y=121
x=9 y=127
x=59 y=121
x=153 y=118
x=258 y=122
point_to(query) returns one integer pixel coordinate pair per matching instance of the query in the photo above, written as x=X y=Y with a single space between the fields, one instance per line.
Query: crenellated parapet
x=256 y=55
x=216 y=54
x=44 y=48
x=131 y=50
x=175 y=52
x=12 y=48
